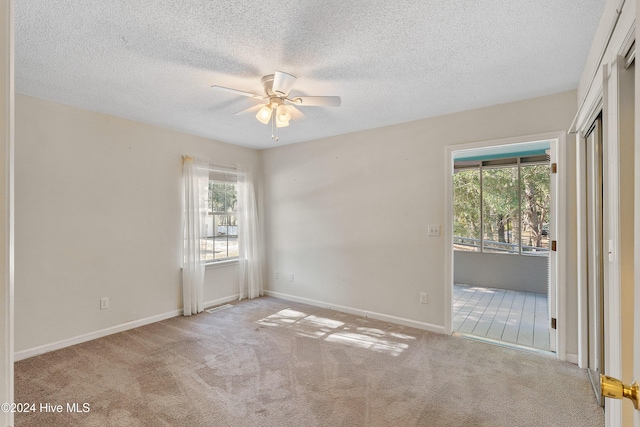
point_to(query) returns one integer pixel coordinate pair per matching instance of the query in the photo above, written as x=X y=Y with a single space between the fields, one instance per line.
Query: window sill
x=218 y=264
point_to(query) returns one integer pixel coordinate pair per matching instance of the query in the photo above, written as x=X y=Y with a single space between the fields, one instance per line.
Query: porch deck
x=510 y=316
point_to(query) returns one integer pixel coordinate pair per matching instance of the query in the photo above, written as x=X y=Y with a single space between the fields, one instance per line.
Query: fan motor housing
x=267 y=84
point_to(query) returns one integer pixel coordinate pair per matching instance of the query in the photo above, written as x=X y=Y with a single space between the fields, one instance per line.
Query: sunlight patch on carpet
x=218 y=308
x=335 y=331
x=369 y=342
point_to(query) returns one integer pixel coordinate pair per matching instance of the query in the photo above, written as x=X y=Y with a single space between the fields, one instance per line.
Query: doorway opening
x=503 y=228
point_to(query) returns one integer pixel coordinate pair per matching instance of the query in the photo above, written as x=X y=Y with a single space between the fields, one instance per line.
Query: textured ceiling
x=390 y=61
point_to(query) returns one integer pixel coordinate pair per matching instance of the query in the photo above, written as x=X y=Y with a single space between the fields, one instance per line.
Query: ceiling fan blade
x=282 y=83
x=253 y=109
x=317 y=101
x=237 y=92
x=295 y=113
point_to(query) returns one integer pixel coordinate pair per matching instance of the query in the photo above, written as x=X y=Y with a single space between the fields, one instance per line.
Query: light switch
x=434 y=230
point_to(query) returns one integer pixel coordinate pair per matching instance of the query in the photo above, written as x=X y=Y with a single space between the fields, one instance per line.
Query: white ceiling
x=390 y=61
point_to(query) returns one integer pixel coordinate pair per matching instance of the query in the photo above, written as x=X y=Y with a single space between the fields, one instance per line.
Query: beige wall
x=98 y=214
x=348 y=215
x=98 y=211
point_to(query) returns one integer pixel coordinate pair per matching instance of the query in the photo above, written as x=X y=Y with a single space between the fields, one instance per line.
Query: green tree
x=466 y=203
x=500 y=202
x=501 y=214
x=223 y=198
x=536 y=200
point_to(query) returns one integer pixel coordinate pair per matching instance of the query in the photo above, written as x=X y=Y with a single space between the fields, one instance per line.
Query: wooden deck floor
x=510 y=316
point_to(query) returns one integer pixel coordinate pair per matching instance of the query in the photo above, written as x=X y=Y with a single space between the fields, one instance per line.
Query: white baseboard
x=25 y=354
x=572 y=358
x=359 y=312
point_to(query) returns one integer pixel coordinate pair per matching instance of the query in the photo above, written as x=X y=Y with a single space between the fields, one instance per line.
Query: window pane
x=232 y=234
x=207 y=244
x=231 y=198
x=221 y=247
x=536 y=200
x=222 y=227
x=217 y=196
x=207 y=249
x=500 y=205
x=226 y=240
x=466 y=210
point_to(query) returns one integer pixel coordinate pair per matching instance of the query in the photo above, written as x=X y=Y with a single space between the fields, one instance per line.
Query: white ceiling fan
x=279 y=106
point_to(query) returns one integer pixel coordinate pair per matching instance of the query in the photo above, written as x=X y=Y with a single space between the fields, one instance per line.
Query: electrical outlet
x=424 y=298
x=434 y=230
x=104 y=303
x=291 y=277
x=276 y=274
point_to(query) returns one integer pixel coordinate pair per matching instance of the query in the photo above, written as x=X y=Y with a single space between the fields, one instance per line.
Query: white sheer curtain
x=250 y=273
x=196 y=189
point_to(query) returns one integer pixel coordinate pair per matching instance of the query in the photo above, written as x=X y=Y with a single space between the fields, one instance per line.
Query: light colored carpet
x=270 y=362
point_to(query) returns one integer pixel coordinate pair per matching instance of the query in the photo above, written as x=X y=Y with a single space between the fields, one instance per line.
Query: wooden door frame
x=636 y=253
x=558 y=273
x=7 y=200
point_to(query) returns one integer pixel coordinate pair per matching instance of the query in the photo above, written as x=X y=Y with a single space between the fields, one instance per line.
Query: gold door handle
x=616 y=389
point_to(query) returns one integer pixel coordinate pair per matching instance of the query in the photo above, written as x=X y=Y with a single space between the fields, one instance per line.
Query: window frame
x=220 y=176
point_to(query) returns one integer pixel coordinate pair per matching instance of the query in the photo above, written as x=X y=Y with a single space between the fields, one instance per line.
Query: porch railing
x=494 y=246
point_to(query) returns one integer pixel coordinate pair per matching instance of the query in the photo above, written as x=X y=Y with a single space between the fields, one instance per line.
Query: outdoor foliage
x=223 y=198
x=500 y=204
x=501 y=213
x=466 y=203
x=222 y=221
x=536 y=202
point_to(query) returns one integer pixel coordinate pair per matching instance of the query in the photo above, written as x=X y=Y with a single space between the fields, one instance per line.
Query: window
x=466 y=203
x=500 y=213
x=535 y=181
x=222 y=218
x=502 y=205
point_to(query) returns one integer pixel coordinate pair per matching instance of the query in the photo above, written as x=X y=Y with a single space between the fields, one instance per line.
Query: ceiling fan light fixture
x=276 y=110
x=264 y=114
x=282 y=113
x=281 y=123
